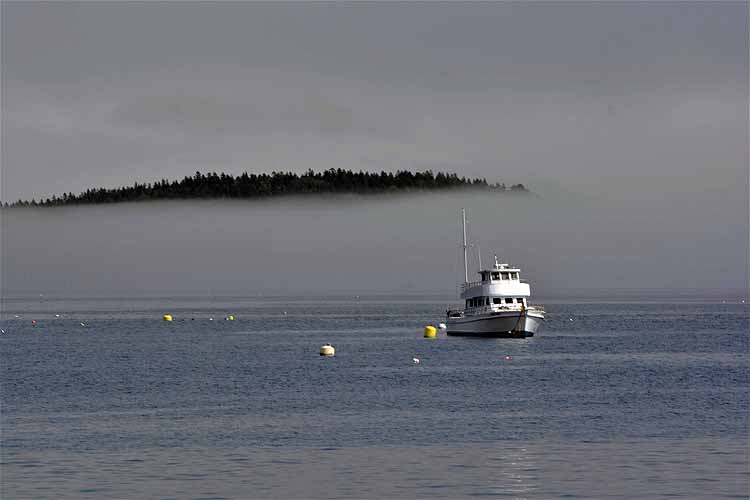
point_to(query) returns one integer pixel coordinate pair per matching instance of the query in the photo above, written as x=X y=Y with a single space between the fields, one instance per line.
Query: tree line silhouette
x=332 y=181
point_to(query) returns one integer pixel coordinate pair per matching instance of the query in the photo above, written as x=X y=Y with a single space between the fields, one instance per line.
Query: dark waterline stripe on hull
x=495 y=335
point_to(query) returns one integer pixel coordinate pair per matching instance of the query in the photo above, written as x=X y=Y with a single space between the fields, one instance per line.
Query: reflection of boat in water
x=496 y=306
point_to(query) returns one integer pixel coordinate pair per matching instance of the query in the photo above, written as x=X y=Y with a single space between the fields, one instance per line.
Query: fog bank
x=363 y=245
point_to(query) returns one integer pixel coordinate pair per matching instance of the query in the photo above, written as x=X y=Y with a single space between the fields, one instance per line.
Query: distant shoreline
x=277 y=184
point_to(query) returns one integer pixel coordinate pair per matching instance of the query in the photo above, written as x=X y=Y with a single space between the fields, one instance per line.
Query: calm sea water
x=611 y=400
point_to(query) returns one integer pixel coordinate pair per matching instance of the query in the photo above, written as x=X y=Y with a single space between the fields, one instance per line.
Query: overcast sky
x=594 y=96
x=633 y=108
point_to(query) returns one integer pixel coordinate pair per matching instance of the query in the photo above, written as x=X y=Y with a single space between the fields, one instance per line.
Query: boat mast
x=463 y=226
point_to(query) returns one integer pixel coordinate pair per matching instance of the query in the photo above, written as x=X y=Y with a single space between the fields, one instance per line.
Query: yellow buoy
x=430 y=332
x=327 y=350
x=167 y=317
x=231 y=318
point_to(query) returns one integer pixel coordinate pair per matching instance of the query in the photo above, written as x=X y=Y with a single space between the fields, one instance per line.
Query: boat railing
x=474 y=311
x=494 y=308
x=454 y=313
x=470 y=284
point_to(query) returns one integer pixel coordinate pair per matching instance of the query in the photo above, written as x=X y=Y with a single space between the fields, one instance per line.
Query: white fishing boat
x=496 y=305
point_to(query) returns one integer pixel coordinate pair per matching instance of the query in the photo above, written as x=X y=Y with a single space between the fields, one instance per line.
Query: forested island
x=251 y=186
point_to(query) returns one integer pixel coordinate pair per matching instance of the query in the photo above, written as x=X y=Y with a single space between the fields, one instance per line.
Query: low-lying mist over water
x=360 y=245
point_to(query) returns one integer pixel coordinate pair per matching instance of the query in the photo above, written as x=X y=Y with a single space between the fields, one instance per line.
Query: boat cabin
x=500 y=288
x=500 y=275
x=498 y=301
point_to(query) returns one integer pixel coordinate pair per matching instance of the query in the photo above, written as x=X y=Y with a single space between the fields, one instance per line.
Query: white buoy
x=57 y=315
x=571 y=319
x=83 y=324
x=327 y=350
x=442 y=326
x=415 y=360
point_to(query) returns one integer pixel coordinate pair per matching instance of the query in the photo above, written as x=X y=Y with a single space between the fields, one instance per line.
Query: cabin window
x=520 y=301
x=495 y=276
x=497 y=300
x=468 y=303
x=487 y=301
x=504 y=275
x=514 y=276
x=508 y=301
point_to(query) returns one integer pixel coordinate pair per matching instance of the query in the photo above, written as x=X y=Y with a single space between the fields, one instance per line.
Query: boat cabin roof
x=497 y=266
x=505 y=268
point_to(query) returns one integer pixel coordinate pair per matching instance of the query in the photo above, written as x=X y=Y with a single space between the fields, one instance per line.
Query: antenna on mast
x=463 y=226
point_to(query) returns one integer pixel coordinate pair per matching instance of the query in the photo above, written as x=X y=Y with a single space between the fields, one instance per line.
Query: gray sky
x=594 y=96
x=628 y=108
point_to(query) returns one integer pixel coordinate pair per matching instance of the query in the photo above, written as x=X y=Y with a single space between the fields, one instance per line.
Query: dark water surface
x=611 y=400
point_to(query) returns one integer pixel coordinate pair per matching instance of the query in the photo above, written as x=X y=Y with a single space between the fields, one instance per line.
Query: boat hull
x=513 y=324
